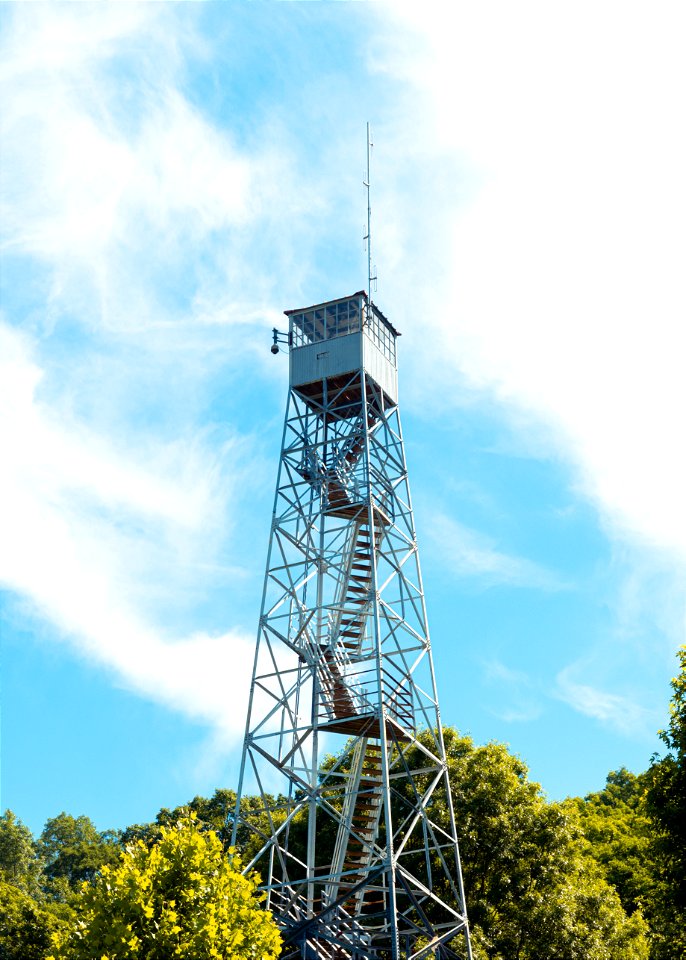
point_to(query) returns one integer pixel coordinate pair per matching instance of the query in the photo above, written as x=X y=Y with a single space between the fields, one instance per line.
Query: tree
x=74 y=850
x=616 y=824
x=18 y=863
x=27 y=916
x=181 y=897
x=212 y=813
x=217 y=814
x=666 y=804
x=533 y=891
x=667 y=793
x=26 y=926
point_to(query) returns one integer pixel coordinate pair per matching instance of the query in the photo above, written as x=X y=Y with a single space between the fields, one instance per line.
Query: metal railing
x=350 y=688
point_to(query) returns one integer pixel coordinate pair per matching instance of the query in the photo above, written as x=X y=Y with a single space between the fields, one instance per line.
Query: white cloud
x=518 y=700
x=141 y=219
x=622 y=712
x=83 y=528
x=554 y=230
x=141 y=209
x=470 y=553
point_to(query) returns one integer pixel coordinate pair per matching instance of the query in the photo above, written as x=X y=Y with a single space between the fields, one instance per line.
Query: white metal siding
x=327 y=358
x=380 y=369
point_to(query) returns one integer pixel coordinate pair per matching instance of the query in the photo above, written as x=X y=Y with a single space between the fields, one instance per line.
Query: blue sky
x=173 y=177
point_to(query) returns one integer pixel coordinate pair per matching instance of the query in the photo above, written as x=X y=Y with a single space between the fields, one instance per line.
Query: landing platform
x=357 y=511
x=366 y=726
x=343 y=395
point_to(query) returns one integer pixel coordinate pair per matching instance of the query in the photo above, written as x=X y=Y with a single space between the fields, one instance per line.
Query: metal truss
x=351 y=818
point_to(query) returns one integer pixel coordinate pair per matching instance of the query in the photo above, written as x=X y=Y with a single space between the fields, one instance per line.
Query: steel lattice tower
x=351 y=818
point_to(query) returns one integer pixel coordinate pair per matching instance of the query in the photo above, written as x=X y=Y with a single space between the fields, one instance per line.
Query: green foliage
x=254 y=809
x=533 y=891
x=180 y=897
x=667 y=793
x=636 y=827
x=216 y=814
x=212 y=814
x=27 y=916
x=666 y=805
x=73 y=850
x=616 y=824
x=18 y=862
x=26 y=926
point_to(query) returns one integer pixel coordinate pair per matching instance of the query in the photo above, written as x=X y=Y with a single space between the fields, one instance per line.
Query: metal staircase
x=360 y=827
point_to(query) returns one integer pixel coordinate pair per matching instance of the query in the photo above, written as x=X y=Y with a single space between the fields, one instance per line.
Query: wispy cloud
x=619 y=711
x=555 y=232
x=141 y=210
x=85 y=528
x=470 y=553
x=518 y=697
x=131 y=227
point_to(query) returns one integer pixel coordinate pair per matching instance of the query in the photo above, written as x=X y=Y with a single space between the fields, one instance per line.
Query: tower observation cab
x=331 y=341
x=350 y=821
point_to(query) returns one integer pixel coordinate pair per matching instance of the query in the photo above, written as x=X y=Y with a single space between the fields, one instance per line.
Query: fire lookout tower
x=352 y=826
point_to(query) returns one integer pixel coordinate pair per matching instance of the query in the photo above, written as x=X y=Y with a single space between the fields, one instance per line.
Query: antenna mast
x=368 y=236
